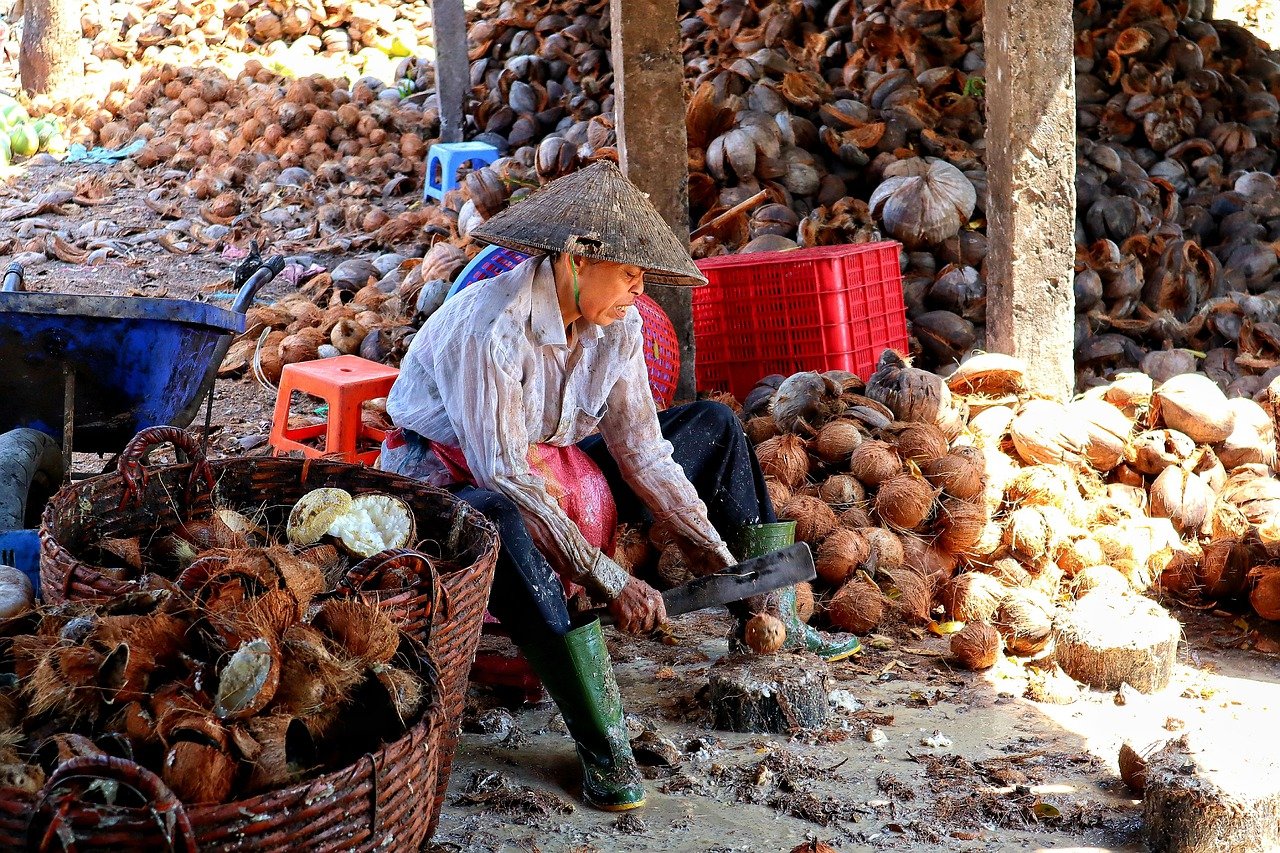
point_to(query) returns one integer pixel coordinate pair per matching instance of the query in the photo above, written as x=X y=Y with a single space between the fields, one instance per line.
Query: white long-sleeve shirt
x=493 y=372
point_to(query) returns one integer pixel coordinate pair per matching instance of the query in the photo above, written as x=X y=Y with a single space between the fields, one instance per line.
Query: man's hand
x=639 y=608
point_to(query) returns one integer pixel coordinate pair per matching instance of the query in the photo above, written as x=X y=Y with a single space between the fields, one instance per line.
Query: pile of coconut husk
x=966 y=503
x=231 y=690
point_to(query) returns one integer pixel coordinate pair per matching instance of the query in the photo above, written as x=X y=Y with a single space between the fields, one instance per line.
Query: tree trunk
x=50 y=61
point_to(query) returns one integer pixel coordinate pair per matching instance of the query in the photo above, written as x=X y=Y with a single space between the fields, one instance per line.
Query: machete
x=790 y=565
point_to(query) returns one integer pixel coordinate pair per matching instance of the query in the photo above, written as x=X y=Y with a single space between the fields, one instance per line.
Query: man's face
x=606 y=290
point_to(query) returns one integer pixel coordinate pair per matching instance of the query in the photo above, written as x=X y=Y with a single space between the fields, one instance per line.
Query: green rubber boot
x=578 y=674
x=756 y=540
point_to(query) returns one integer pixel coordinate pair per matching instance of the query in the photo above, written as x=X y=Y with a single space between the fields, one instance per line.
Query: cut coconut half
x=372 y=524
x=248 y=681
x=315 y=513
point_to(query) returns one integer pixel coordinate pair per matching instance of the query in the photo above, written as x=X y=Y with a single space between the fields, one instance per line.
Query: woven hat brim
x=595 y=213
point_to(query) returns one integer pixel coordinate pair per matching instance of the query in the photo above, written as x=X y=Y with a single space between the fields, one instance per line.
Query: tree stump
x=777 y=694
x=1105 y=640
x=49 y=60
x=1204 y=796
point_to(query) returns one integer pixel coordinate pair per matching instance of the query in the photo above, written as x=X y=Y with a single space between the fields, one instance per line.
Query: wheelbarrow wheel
x=30 y=471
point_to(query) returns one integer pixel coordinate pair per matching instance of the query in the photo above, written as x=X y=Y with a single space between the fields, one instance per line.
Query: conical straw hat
x=595 y=213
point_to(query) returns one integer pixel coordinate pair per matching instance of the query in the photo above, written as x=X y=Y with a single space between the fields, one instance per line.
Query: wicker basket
x=138 y=500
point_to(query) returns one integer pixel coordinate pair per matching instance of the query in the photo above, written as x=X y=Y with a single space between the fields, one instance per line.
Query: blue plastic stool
x=445 y=158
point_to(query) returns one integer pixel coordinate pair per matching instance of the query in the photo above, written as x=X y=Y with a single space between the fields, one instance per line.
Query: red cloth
x=572 y=478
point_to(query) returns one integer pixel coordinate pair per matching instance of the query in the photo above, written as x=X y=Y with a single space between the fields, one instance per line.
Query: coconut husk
x=919 y=442
x=128 y=551
x=874 y=462
x=841 y=491
x=1009 y=572
x=1253 y=436
x=1025 y=620
x=761 y=428
x=1257 y=497
x=989 y=374
x=672 y=570
x=362 y=632
x=991 y=426
x=960 y=474
x=976 y=646
x=1105 y=641
x=836 y=441
x=198 y=772
x=1133 y=760
x=806 y=604
x=1039 y=485
x=1079 y=553
x=1050 y=685
x=857 y=607
x=814 y=519
x=314 y=682
x=403 y=695
x=854 y=517
x=910 y=393
x=959 y=526
x=805 y=401
x=1104 y=579
x=1152 y=451
x=1181 y=497
x=1027 y=534
x=1226 y=521
x=905 y=502
x=886 y=550
x=990 y=546
x=973 y=597
x=1048 y=580
x=1131 y=394
x=286 y=750
x=1193 y=404
x=302 y=578
x=910 y=595
x=840 y=554
x=1045 y=432
x=785 y=459
x=998 y=470
x=1108 y=428
x=631 y=550
x=764 y=634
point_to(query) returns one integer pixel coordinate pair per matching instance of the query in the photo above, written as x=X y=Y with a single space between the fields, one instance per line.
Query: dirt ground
x=915 y=757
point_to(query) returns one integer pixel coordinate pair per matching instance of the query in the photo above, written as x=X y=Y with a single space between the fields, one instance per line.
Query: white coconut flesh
x=374 y=523
x=315 y=513
x=243 y=678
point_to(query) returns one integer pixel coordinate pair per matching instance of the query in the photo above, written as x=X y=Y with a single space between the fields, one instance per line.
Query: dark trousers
x=709 y=444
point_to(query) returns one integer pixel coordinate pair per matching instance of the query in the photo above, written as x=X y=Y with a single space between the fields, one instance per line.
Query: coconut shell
x=1193 y=404
x=312 y=515
x=1258 y=498
x=361 y=631
x=785 y=459
x=836 y=441
x=198 y=773
x=1045 y=432
x=959 y=526
x=374 y=523
x=1130 y=393
x=904 y=502
x=814 y=519
x=1181 y=497
x=976 y=646
x=920 y=443
x=249 y=679
x=857 y=607
x=285 y=750
x=874 y=462
x=764 y=634
x=1151 y=452
x=841 y=491
x=1025 y=620
x=1252 y=439
x=840 y=554
x=1108 y=428
x=959 y=474
x=991 y=425
x=1133 y=763
x=973 y=597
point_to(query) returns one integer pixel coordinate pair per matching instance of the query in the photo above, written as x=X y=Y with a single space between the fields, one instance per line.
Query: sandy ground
x=915 y=757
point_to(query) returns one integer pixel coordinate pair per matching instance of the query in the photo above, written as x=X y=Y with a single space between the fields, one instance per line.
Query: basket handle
x=134 y=473
x=370 y=568
x=165 y=806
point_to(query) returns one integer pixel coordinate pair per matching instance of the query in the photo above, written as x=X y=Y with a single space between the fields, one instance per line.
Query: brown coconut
x=198 y=773
x=960 y=473
x=840 y=554
x=1181 y=497
x=886 y=550
x=1009 y=572
x=1193 y=404
x=1108 y=428
x=928 y=559
x=973 y=597
x=761 y=429
x=672 y=569
x=764 y=634
x=874 y=462
x=904 y=502
x=1265 y=595
x=779 y=493
x=631 y=549
x=857 y=607
x=920 y=442
x=1027 y=534
x=855 y=517
x=959 y=526
x=814 y=519
x=910 y=594
x=841 y=491
x=302 y=345
x=1025 y=620
x=785 y=459
x=1045 y=432
x=836 y=441
x=806 y=604
x=1106 y=579
x=976 y=646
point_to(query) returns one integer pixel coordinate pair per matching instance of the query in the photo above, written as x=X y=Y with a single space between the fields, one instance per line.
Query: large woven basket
x=382 y=802
x=141 y=500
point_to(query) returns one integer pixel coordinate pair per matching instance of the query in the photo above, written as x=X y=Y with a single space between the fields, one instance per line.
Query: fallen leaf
x=1046 y=810
x=46 y=202
x=65 y=251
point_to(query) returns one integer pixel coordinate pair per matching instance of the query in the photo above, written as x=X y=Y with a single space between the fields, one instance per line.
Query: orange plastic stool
x=344 y=382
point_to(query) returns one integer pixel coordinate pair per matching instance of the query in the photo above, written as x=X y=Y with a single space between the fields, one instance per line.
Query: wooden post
x=49 y=59
x=453 y=69
x=1031 y=144
x=648 y=73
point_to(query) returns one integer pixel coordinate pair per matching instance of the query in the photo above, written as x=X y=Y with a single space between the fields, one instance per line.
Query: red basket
x=828 y=308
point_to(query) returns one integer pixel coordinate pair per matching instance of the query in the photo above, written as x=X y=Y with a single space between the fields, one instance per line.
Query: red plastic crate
x=828 y=308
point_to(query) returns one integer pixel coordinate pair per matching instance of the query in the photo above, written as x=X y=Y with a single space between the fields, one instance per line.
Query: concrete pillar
x=648 y=73
x=1031 y=146
x=453 y=69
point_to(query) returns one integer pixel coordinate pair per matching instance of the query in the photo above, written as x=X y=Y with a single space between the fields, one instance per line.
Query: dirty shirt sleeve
x=631 y=431
x=488 y=418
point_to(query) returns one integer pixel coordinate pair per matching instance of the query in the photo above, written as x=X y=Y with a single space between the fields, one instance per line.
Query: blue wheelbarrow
x=87 y=373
